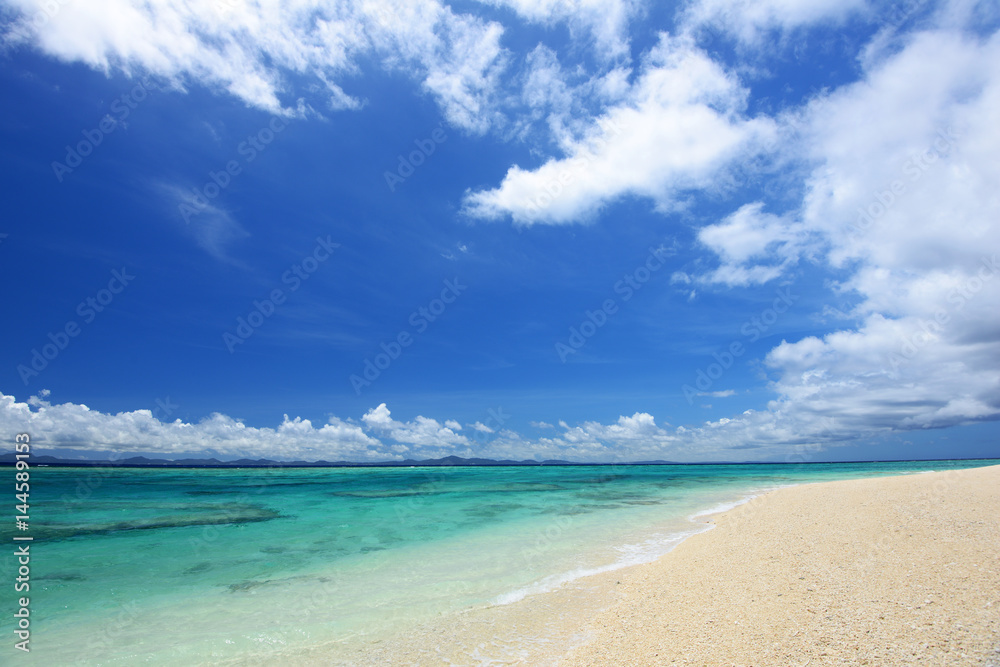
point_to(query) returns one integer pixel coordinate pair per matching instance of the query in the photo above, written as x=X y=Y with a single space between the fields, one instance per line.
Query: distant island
x=145 y=462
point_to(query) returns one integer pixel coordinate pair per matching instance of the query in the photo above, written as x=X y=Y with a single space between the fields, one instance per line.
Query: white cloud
x=927 y=127
x=603 y=21
x=546 y=91
x=718 y=394
x=890 y=374
x=680 y=126
x=565 y=98
x=788 y=428
x=258 y=50
x=421 y=432
x=754 y=246
x=902 y=195
x=213 y=228
x=630 y=438
x=73 y=426
x=749 y=21
x=905 y=192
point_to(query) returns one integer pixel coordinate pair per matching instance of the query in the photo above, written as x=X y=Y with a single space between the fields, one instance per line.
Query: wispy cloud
x=751 y=22
x=259 y=52
x=213 y=228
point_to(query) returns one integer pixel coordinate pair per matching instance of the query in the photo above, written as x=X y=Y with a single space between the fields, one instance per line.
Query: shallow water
x=168 y=566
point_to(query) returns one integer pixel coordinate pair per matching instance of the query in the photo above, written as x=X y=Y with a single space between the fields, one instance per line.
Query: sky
x=618 y=230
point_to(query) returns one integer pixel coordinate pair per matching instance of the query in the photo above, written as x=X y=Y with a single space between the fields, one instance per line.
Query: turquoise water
x=167 y=566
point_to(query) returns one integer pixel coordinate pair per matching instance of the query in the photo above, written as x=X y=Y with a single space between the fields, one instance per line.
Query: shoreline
x=901 y=570
x=532 y=625
x=883 y=571
x=351 y=572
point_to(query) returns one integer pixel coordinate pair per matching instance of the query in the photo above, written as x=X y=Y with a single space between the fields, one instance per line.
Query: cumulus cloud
x=890 y=374
x=378 y=437
x=898 y=198
x=75 y=426
x=680 y=125
x=908 y=198
x=788 y=429
x=754 y=246
x=901 y=200
x=630 y=438
x=421 y=432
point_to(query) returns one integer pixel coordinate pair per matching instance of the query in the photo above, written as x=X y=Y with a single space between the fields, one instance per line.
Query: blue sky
x=595 y=231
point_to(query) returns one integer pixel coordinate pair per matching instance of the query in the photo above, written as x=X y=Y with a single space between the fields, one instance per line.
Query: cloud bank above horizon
x=376 y=436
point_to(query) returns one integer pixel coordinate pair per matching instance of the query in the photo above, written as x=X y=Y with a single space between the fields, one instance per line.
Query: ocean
x=202 y=566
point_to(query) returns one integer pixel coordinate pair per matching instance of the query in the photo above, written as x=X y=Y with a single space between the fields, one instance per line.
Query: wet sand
x=883 y=572
x=891 y=571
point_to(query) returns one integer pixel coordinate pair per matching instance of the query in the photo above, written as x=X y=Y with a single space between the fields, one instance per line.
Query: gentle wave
x=631 y=554
x=726 y=506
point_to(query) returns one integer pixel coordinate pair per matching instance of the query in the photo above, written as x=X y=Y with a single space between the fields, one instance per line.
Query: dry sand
x=889 y=571
x=883 y=572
